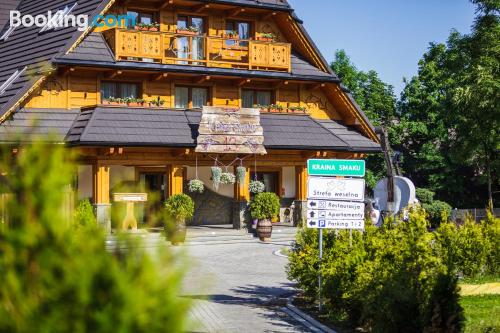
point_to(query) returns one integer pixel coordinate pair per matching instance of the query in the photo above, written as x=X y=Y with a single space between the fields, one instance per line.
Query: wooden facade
x=227 y=66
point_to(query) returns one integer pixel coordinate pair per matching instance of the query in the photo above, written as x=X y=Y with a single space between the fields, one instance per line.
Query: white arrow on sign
x=339 y=206
x=331 y=214
x=349 y=189
x=335 y=224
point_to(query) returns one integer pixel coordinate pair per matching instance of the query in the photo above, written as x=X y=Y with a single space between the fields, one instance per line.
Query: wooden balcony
x=198 y=50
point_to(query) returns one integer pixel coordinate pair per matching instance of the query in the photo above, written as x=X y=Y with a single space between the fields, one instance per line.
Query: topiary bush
x=265 y=205
x=179 y=207
x=84 y=214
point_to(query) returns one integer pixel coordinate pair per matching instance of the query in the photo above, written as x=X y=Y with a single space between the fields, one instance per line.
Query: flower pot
x=176 y=233
x=133 y=104
x=264 y=230
x=106 y=103
x=153 y=29
x=265 y=39
x=187 y=32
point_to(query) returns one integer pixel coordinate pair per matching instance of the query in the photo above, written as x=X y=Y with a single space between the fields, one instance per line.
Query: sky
x=388 y=36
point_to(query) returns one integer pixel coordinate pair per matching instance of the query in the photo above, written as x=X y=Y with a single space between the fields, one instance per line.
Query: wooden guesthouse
x=149 y=105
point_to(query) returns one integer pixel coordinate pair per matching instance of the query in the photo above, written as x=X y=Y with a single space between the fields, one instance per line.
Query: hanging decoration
x=216 y=176
x=227 y=178
x=256 y=187
x=241 y=173
x=196 y=185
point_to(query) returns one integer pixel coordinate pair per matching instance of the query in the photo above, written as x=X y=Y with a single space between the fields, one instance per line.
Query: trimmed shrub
x=424 y=195
x=84 y=214
x=265 y=205
x=392 y=278
x=179 y=207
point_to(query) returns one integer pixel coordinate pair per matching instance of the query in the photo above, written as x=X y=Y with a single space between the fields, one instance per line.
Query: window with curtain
x=191 y=97
x=243 y=30
x=142 y=17
x=119 y=90
x=249 y=97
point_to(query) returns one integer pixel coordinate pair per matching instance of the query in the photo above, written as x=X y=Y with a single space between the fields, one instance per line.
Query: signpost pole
x=319 y=272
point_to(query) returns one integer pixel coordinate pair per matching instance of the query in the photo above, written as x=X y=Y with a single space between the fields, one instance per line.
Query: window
x=57 y=20
x=141 y=17
x=191 y=47
x=243 y=30
x=120 y=90
x=191 y=97
x=249 y=98
x=270 y=179
x=11 y=79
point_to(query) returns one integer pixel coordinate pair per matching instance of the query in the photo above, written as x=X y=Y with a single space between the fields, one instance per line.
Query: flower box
x=265 y=39
x=231 y=36
x=187 y=32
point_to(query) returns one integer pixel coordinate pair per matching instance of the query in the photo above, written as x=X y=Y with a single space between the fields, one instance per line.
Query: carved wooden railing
x=198 y=50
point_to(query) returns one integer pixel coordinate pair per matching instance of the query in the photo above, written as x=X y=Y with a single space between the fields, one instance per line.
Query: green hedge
x=399 y=276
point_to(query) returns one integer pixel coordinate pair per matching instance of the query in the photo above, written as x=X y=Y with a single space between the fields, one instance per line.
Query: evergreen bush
x=265 y=205
x=84 y=214
x=56 y=278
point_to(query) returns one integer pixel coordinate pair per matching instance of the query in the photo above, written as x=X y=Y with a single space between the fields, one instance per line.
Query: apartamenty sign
x=343 y=168
x=230 y=131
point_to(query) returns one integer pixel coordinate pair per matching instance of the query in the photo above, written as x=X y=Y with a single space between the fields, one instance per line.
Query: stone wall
x=211 y=208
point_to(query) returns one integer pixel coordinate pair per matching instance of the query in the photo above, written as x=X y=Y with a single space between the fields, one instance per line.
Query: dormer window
x=11 y=79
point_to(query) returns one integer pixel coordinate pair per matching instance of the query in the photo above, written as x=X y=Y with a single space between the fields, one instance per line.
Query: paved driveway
x=239 y=287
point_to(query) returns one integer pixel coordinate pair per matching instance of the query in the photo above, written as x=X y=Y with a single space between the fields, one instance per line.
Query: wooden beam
x=202 y=79
x=281 y=84
x=200 y=8
x=243 y=82
x=268 y=16
x=113 y=74
x=352 y=121
x=166 y=4
x=317 y=86
x=235 y=12
x=301 y=182
x=67 y=70
x=175 y=176
x=159 y=77
x=100 y=184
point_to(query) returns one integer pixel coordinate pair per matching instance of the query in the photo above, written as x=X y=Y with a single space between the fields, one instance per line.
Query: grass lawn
x=482 y=313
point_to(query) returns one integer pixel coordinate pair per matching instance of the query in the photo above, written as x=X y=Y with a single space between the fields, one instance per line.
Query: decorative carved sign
x=230 y=131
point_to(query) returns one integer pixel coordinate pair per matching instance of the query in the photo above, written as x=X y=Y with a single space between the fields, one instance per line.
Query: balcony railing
x=198 y=50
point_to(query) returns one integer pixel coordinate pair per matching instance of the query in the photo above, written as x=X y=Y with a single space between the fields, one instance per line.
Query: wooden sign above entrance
x=230 y=131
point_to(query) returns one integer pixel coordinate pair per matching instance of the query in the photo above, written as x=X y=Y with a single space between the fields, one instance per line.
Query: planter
x=231 y=36
x=153 y=29
x=176 y=233
x=275 y=110
x=187 y=32
x=135 y=104
x=265 y=39
x=264 y=230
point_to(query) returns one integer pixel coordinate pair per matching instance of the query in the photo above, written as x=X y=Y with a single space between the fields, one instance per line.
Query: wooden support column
x=175 y=179
x=301 y=183
x=100 y=184
x=241 y=191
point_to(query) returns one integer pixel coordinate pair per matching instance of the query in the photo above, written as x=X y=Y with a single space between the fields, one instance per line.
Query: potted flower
x=216 y=176
x=241 y=173
x=230 y=34
x=154 y=27
x=267 y=37
x=109 y=101
x=275 y=108
x=196 y=186
x=178 y=208
x=157 y=102
x=227 y=178
x=263 y=108
x=302 y=109
x=191 y=30
x=264 y=207
x=256 y=187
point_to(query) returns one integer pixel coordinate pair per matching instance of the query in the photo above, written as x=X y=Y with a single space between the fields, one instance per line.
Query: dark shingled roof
x=5 y=7
x=27 y=47
x=94 y=50
x=105 y=126
x=26 y=123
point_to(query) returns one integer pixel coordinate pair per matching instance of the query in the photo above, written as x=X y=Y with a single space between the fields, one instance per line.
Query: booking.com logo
x=61 y=19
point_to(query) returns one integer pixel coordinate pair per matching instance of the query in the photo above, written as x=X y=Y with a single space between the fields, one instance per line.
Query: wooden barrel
x=264 y=230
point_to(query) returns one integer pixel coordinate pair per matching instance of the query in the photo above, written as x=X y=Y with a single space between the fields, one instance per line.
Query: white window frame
x=11 y=79
x=58 y=18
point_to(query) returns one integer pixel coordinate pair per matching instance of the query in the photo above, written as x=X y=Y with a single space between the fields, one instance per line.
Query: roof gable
x=27 y=47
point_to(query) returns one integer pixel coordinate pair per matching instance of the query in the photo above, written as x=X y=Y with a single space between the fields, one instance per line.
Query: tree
x=375 y=97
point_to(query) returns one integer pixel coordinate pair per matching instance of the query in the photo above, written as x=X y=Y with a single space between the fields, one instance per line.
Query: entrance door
x=155 y=185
